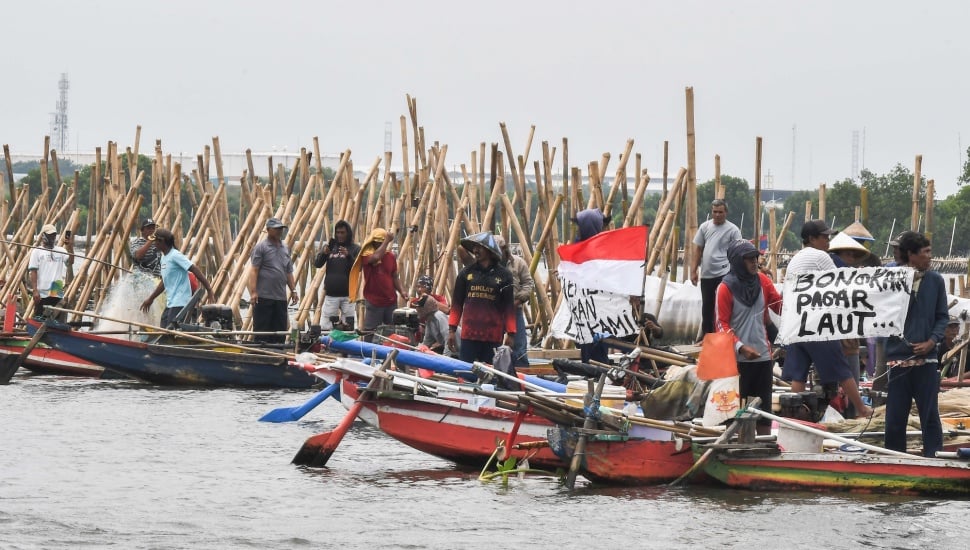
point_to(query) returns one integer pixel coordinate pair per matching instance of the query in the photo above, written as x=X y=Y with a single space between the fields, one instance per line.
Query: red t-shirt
x=379 y=288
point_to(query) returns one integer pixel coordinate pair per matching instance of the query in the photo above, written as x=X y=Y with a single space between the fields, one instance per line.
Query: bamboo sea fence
x=420 y=205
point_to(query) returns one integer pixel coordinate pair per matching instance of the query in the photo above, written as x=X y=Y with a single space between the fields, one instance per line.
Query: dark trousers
x=477 y=350
x=756 y=381
x=47 y=301
x=708 y=298
x=921 y=383
x=270 y=316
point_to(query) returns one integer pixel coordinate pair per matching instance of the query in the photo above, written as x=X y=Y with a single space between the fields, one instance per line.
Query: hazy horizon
x=273 y=76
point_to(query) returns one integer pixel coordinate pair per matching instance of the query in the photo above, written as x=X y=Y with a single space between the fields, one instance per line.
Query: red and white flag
x=610 y=261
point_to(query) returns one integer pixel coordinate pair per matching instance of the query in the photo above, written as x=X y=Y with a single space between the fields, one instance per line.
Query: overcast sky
x=274 y=74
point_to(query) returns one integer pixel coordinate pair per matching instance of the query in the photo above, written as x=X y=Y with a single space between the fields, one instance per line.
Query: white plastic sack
x=723 y=400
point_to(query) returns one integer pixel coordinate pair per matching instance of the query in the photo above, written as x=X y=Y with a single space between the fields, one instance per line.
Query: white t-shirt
x=809 y=259
x=715 y=240
x=51 y=266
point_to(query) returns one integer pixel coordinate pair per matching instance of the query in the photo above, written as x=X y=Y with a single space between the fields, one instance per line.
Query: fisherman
x=434 y=321
x=175 y=269
x=912 y=358
x=382 y=283
x=524 y=286
x=338 y=254
x=743 y=299
x=710 y=263
x=483 y=302
x=144 y=254
x=270 y=274
x=47 y=268
x=830 y=363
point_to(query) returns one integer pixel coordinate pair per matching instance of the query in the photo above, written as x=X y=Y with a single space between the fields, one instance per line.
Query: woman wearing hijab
x=743 y=299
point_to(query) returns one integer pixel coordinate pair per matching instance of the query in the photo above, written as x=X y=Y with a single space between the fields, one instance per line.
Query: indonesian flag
x=610 y=261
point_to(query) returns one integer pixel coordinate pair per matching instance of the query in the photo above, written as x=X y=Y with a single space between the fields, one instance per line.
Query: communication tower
x=59 y=134
x=387 y=137
x=855 y=154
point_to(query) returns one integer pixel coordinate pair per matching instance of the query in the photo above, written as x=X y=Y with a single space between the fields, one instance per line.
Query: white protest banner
x=585 y=312
x=845 y=303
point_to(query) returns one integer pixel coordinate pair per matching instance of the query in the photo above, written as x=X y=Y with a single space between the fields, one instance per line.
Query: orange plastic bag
x=717 y=359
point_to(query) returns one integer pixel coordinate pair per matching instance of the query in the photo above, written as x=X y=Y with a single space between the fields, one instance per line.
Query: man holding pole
x=47 y=268
x=270 y=274
x=710 y=262
x=524 y=285
x=382 y=283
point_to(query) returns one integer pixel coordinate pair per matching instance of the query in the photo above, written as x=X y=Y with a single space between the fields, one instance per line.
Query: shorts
x=830 y=363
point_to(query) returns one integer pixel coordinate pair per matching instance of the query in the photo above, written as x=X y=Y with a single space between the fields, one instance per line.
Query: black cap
x=895 y=241
x=148 y=222
x=815 y=228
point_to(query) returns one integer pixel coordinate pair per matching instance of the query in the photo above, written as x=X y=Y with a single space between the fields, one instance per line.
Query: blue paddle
x=289 y=414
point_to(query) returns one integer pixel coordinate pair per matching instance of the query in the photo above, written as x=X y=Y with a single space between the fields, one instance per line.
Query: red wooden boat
x=46 y=360
x=456 y=426
x=627 y=460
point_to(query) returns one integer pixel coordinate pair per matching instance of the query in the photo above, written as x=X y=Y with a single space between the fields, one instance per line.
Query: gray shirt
x=436 y=330
x=715 y=240
x=274 y=264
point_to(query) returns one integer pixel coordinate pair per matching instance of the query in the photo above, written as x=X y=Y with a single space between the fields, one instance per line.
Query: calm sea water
x=94 y=464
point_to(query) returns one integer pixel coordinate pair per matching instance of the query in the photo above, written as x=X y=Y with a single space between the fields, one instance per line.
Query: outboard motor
x=217 y=317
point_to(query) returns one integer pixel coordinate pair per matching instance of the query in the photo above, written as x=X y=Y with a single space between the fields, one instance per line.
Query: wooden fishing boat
x=797 y=461
x=179 y=365
x=623 y=459
x=742 y=468
x=462 y=427
x=45 y=360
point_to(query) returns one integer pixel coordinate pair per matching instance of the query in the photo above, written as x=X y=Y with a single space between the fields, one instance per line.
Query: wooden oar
x=289 y=414
x=735 y=426
x=12 y=363
x=317 y=450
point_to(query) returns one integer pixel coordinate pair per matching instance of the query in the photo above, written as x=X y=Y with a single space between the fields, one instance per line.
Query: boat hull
x=179 y=366
x=627 y=461
x=45 y=360
x=847 y=472
x=461 y=430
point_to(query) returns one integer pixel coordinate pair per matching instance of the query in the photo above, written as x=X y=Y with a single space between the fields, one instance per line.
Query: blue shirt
x=175 y=277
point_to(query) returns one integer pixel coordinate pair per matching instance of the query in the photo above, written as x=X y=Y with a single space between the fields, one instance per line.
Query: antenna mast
x=59 y=134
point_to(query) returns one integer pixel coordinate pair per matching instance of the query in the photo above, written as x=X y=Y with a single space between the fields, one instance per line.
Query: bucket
x=613 y=396
x=798 y=441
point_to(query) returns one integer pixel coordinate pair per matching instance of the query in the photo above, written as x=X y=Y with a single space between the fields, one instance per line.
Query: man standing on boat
x=382 y=284
x=338 y=255
x=144 y=254
x=912 y=358
x=482 y=302
x=270 y=274
x=47 y=268
x=524 y=286
x=710 y=263
x=830 y=363
x=175 y=269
